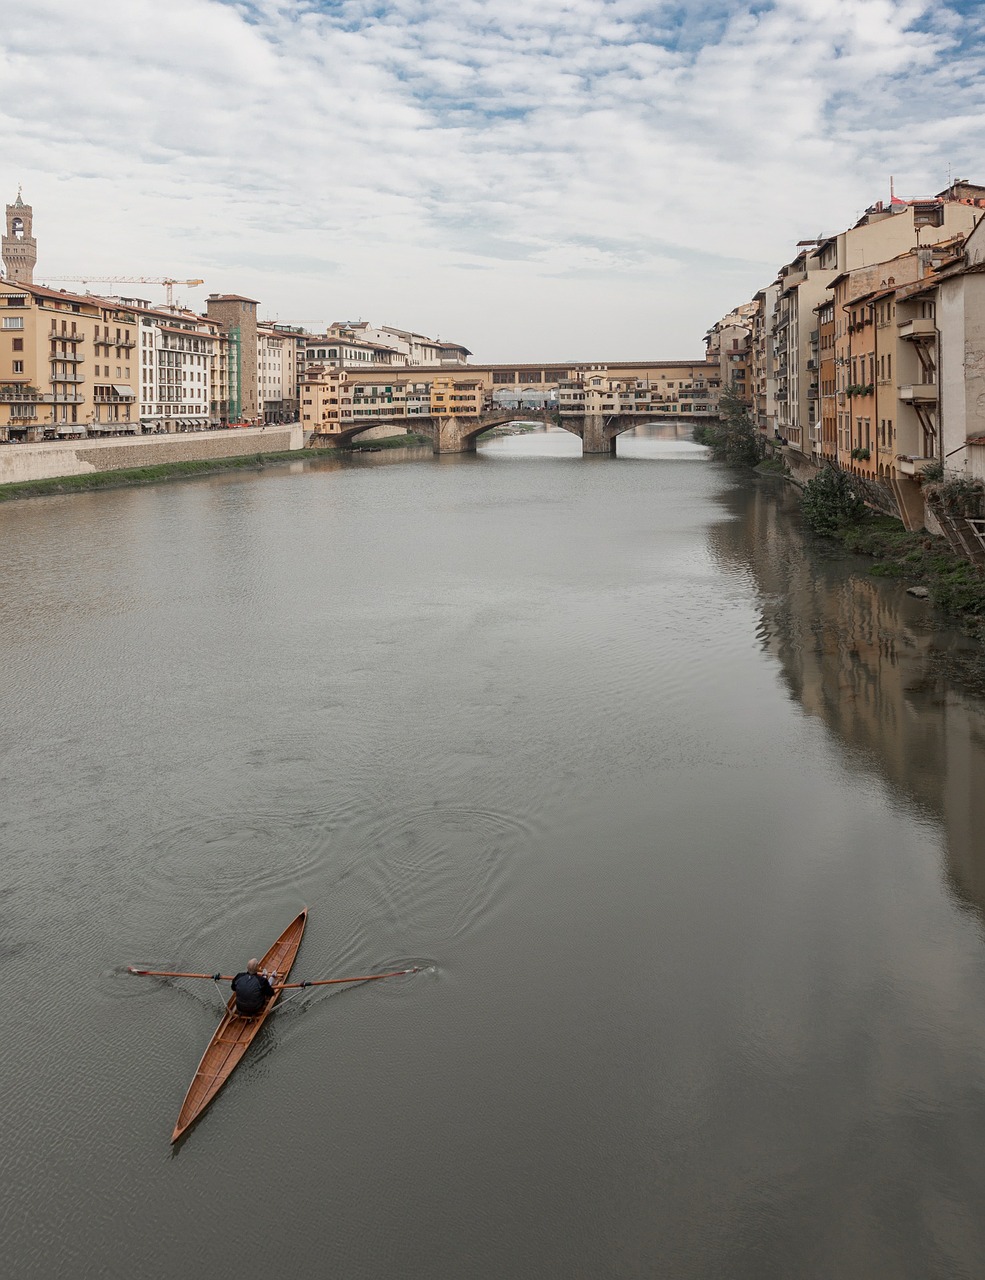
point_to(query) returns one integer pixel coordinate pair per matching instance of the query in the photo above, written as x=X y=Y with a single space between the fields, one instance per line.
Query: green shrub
x=831 y=500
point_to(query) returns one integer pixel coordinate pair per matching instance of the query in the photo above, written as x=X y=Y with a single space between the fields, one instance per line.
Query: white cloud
x=522 y=178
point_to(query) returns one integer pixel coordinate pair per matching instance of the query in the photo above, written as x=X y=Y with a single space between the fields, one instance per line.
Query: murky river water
x=682 y=815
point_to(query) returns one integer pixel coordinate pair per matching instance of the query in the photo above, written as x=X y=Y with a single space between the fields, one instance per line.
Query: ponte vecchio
x=454 y=404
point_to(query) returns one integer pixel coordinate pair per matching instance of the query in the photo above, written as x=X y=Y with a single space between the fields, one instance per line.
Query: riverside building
x=792 y=342
x=236 y=317
x=67 y=364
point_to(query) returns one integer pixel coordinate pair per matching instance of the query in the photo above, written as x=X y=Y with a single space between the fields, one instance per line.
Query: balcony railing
x=67 y=377
x=66 y=337
x=114 y=342
x=72 y=357
x=11 y=393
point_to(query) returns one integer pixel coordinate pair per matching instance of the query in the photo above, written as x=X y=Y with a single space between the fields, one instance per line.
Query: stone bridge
x=597 y=432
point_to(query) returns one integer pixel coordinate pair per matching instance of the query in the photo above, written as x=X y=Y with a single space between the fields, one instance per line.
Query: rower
x=253 y=989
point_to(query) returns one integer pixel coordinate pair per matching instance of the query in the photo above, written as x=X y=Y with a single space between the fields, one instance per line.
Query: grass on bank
x=139 y=475
x=410 y=440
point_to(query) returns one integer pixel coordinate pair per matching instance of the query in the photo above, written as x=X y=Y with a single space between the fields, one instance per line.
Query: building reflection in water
x=904 y=697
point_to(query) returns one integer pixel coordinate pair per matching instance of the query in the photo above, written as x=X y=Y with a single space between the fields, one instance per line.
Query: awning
x=122 y=391
x=69 y=429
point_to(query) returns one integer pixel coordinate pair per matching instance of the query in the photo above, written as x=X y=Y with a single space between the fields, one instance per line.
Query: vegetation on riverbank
x=510 y=429
x=834 y=508
x=128 y=476
x=408 y=441
x=733 y=437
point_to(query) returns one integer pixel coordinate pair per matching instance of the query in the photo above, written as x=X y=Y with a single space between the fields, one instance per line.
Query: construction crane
x=165 y=280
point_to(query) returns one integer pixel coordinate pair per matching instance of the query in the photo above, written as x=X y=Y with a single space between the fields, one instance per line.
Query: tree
x=733 y=438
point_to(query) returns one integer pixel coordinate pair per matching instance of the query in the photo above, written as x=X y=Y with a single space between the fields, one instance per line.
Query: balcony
x=919 y=393
x=913 y=466
x=67 y=377
x=128 y=343
x=66 y=337
x=921 y=328
x=12 y=393
x=119 y=393
x=812 y=365
x=71 y=357
x=57 y=397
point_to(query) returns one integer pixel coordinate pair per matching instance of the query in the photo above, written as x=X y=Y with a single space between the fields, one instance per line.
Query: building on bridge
x=597 y=391
x=333 y=399
x=456 y=397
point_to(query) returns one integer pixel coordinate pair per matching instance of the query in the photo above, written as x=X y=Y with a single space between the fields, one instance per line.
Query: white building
x=177 y=351
x=276 y=374
x=358 y=344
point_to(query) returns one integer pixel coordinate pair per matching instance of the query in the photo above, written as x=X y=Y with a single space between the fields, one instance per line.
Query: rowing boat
x=235 y=1034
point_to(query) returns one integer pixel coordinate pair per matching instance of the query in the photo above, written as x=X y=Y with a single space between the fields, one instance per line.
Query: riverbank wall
x=20 y=463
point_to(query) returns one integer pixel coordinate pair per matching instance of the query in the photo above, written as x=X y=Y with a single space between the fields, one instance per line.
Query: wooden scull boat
x=235 y=1034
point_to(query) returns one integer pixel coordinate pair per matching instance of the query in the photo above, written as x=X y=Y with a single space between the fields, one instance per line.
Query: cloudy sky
x=534 y=178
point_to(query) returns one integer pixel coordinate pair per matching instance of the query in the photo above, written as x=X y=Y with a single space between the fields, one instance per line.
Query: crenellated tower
x=19 y=247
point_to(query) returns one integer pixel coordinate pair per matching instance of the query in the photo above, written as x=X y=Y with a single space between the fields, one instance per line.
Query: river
x=679 y=812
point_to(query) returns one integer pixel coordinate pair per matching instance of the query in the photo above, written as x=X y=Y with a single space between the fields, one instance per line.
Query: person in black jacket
x=253 y=989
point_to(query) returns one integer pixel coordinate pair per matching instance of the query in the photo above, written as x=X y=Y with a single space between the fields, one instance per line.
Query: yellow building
x=326 y=399
x=67 y=364
x=454 y=398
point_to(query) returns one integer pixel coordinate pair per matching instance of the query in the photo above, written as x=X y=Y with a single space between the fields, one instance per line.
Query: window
x=13 y=322
x=18 y=366
x=18 y=344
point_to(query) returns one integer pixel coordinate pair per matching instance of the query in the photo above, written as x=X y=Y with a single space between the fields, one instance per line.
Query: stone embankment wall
x=801 y=468
x=20 y=462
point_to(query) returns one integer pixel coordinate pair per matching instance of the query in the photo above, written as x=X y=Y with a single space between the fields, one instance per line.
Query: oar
x=171 y=973
x=331 y=982
x=278 y=986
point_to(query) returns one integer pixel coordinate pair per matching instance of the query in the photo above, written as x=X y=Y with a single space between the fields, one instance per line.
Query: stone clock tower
x=20 y=249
